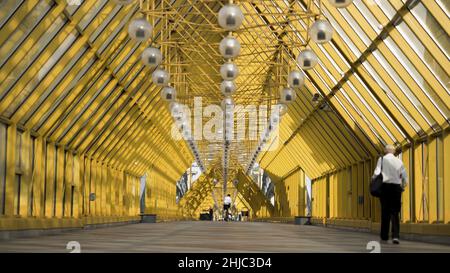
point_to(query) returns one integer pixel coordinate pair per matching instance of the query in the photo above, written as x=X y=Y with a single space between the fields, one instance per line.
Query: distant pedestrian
x=211 y=211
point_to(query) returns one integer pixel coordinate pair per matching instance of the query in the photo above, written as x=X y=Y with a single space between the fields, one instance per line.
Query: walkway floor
x=204 y=236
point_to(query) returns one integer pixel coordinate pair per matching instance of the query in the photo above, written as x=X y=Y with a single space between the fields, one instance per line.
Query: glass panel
x=385 y=7
x=73 y=6
x=355 y=26
x=82 y=111
x=366 y=89
x=90 y=15
x=340 y=33
x=417 y=77
x=371 y=71
x=102 y=27
x=360 y=114
x=66 y=92
x=7 y=9
x=112 y=36
x=403 y=87
x=2 y=167
x=367 y=107
x=45 y=69
x=432 y=27
x=125 y=59
x=49 y=91
x=360 y=5
x=424 y=55
x=445 y=6
x=63 y=48
x=31 y=56
x=23 y=30
x=440 y=178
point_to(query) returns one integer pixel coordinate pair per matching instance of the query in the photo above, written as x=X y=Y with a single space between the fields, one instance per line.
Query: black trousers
x=391 y=197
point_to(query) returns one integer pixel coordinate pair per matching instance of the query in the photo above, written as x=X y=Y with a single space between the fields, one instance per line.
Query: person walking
x=226 y=206
x=395 y=180
x=211 y=214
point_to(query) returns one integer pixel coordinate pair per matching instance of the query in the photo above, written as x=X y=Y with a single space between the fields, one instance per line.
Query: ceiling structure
x=69 y=72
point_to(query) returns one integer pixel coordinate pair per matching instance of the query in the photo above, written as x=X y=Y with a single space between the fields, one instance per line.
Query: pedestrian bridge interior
x=87 y=136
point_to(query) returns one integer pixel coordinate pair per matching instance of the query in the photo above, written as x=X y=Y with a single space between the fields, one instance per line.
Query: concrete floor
x=210 y=237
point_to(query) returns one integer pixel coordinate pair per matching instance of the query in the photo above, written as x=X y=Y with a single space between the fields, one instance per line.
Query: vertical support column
x=446 y=167
x=137 y=184
x=77 y=175
x=108 y=183
x=50 y=180
x=104 y=178
x=38 y=176
x=360 y=189
x=424 y=199
x=115 y=194
x=331 y=196
x=406 y=203
x=120 y=185
x=59 y=181
x=354 y=192
x=10 y=169
x=302 y=193
x=432 y=180
x=149 y=193
x=328 y=198
x=440 y=177
x=340 y=186
x=323 y=186
x=125 y=195
x=368 y=202
x=94 y=187
x=68 y=183
x=113 y=191
x=98 y=188
x=87 y=184
x=25 y=193
x=418 y=182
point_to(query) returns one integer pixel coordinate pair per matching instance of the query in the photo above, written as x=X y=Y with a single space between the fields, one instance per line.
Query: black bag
x=377 y=182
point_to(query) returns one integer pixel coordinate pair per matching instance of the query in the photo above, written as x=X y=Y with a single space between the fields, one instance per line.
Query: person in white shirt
x=226 y=206
x=395 y=180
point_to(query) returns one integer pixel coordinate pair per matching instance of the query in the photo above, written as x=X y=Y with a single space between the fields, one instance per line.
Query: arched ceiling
x=70 y=73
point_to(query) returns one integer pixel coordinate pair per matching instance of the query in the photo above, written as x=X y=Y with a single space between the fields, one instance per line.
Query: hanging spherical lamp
x=168 y=93
x=274 y=119
x=282 y=109
x=229 y=124
x=229 y=71
x=140 y=29
x=340 y=3
x=296 y=79
x=177 y=111
x=321 y=31
x=230 y=17
x=183 y=125
x=227 y=104
x=186 y=134
x=229 y=135
x=175 y=108
x=151 y=57
x=287 y=95
x=160 y=77
x=228 y=88
x=229 y=114
x=307 y=59
x=229 y=47
x=123 y=2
